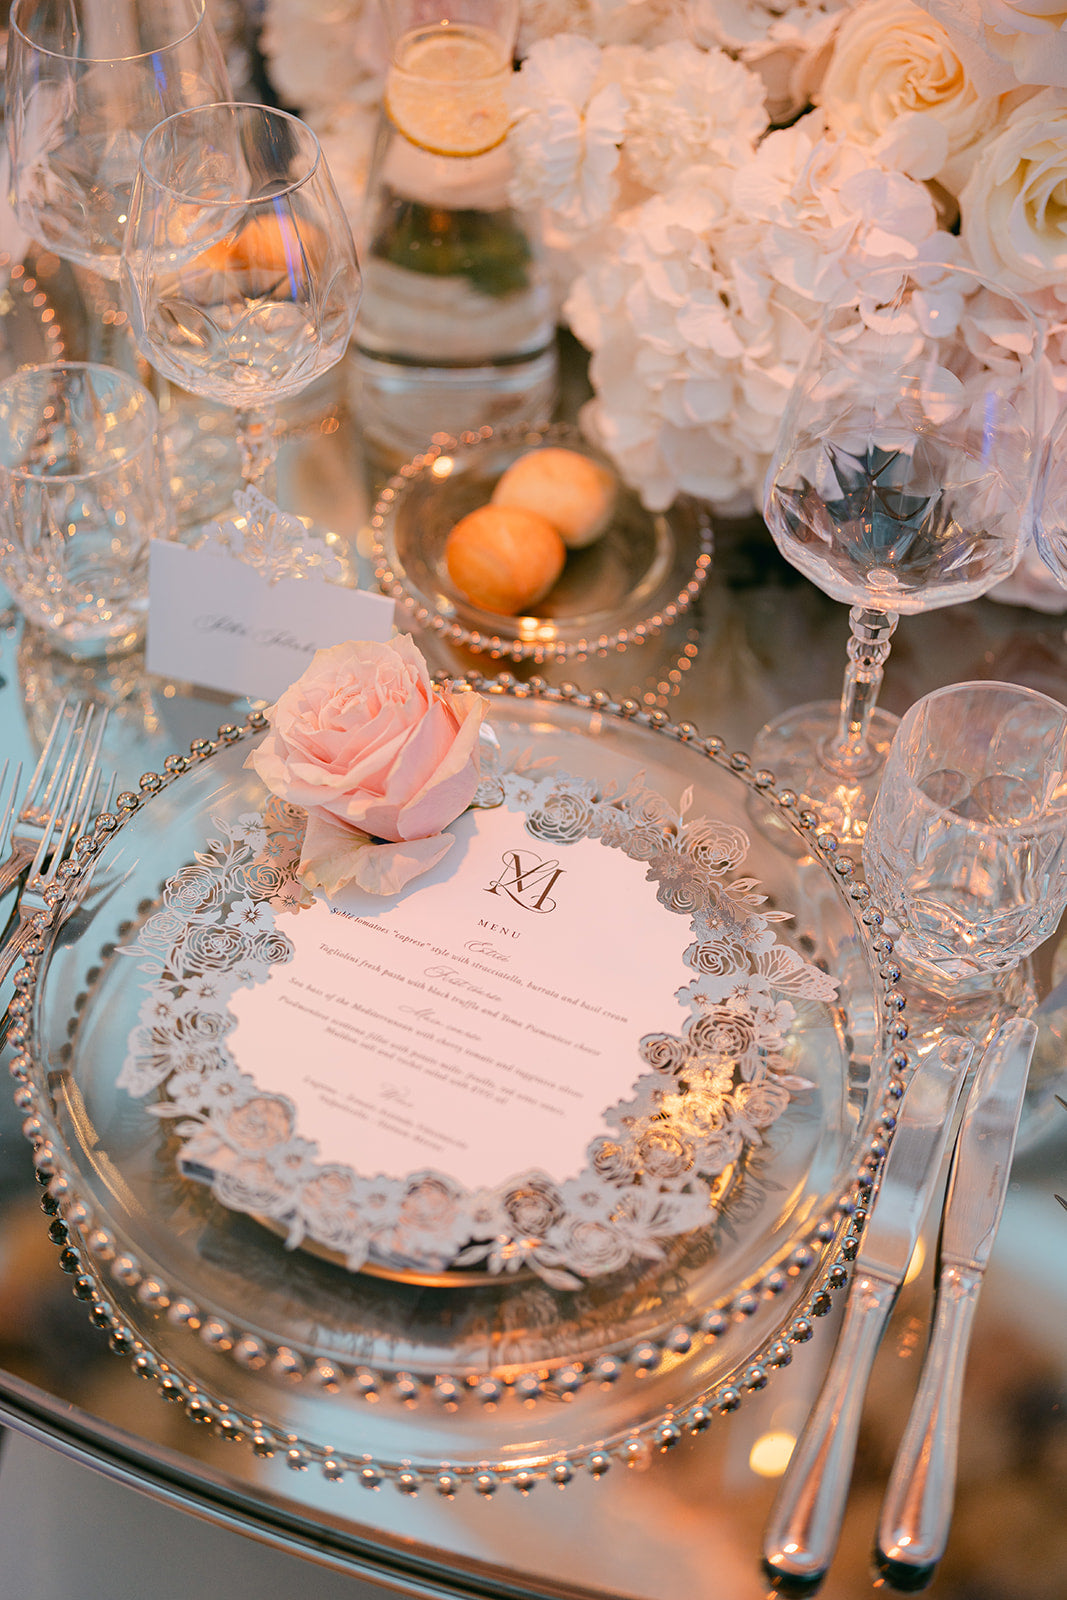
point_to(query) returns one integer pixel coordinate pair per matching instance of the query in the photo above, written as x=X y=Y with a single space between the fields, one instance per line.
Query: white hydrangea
x=597 y=130
x=785 y=42
x=687 y=106
x=665 y=352
x=324 y=56
x=699 y=315
x=565 y=140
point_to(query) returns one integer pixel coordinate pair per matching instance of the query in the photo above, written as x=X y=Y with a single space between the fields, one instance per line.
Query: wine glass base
x=203 y=461
x=974 y=1010
x=795 y=747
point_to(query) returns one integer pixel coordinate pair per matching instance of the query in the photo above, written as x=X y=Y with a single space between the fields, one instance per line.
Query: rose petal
x=456 y=778
x=335 y=857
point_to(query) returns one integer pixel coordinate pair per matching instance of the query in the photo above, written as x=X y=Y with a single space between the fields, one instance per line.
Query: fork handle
x=805 y=1520
x=16 y=943
x=917 y=1510
x=13 y=868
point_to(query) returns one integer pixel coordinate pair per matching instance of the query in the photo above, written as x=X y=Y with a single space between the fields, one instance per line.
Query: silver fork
x=44 y=791
x=9 y=809
x=75 y=802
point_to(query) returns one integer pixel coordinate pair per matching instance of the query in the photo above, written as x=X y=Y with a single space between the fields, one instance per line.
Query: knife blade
x=917 y=1510
x=805 y=1520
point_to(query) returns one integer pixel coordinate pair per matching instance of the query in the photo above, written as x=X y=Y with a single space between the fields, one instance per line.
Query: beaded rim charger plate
x=283 y=1348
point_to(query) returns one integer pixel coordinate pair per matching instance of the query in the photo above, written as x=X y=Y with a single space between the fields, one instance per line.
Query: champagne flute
x=86 y=80
x=241 y=271
x=902 y=480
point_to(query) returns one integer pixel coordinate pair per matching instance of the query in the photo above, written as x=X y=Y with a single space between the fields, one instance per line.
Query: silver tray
x=380 y=1379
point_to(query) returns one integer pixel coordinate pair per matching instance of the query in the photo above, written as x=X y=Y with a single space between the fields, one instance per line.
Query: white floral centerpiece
x=709 y=173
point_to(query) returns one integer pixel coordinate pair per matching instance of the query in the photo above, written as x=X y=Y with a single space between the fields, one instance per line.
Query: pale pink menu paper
x=481 y=1023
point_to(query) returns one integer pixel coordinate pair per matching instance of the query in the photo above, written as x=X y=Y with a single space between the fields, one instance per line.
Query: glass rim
x=1047 y=820
x=200 y=7
x=399 y=24
x=436 y=29
x=269 y=113
x=133 y=388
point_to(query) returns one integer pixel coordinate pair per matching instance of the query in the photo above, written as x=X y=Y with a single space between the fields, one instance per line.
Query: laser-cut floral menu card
x=541 y=1052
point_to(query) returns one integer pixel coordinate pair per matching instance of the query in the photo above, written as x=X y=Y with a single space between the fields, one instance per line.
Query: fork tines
x=72 y=783
x=7 y=812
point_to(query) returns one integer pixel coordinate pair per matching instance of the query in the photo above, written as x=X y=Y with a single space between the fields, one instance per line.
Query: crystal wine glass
x=902 y=480
x=966 y=845
x=81 y=498
x=239 y=262
x=86 y=80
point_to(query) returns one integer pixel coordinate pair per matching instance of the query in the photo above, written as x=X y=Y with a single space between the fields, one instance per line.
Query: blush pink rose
x=379 y=758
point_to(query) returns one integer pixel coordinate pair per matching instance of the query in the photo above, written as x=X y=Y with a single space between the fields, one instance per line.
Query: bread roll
x=504 y=558
x=574 y=493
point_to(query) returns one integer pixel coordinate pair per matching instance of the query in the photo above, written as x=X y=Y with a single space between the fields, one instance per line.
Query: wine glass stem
x=848 y=752
x=255 y=440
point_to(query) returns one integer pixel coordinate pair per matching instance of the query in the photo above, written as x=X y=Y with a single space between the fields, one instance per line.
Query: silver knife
x=805 y=1520
x=917 y=1510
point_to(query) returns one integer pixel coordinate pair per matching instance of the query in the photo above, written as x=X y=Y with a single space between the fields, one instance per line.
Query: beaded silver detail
x=832 y=1240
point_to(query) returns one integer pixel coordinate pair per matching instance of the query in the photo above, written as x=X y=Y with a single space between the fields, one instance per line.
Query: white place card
x=216 y=621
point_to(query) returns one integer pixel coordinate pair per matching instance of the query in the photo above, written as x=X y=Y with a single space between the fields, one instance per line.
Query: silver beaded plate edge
x=90 y=1254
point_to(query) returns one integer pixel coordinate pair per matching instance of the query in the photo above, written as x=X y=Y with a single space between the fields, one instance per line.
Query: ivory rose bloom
x=379 y=758
x=1013 y=209
x=1009 y=41
x=896 y=82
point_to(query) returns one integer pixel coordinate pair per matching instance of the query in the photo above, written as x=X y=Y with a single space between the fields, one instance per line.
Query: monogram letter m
x=527 y=880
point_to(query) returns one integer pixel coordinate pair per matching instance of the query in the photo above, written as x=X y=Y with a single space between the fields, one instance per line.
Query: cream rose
x=1013 y=209
x=379 y=758
x=1006 y=42
x=896 y=82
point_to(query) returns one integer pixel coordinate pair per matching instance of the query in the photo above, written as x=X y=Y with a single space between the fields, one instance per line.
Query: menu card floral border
x=711 y=1090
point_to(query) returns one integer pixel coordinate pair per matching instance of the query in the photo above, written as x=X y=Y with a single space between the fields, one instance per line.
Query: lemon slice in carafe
x=445 y=90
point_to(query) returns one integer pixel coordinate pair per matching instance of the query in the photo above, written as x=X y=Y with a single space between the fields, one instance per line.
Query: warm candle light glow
x=770 y=1454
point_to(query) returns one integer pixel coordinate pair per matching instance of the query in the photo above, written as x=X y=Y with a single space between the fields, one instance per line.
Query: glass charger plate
x=290 y=1350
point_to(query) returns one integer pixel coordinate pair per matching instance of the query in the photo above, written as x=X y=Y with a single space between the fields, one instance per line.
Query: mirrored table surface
x=687 y=1520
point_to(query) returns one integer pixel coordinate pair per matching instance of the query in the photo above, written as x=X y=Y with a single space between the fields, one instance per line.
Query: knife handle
x=917 y=1510
x=805 y=1521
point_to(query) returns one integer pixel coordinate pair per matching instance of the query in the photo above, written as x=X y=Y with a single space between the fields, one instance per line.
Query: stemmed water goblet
x=902 y=480
x=241 y=271
x=86 y=80
x=81 y=498
x=966 y=856
x=966 y=844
